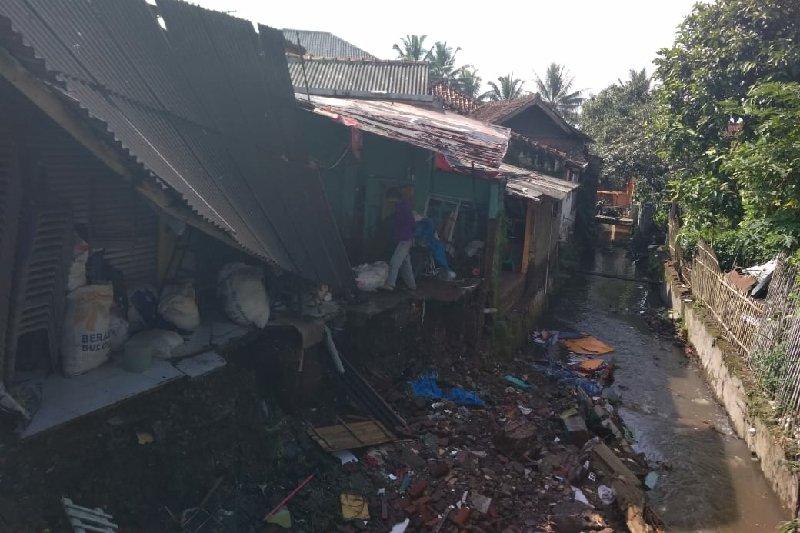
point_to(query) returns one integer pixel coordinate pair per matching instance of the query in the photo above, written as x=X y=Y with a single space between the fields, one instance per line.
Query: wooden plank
x=351 y=436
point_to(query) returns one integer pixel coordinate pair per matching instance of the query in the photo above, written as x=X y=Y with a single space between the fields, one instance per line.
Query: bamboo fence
x=765 y=332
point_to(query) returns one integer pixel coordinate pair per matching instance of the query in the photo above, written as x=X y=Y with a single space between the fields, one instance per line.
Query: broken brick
x=439 y=469
x=461 y=516
x=417 y=488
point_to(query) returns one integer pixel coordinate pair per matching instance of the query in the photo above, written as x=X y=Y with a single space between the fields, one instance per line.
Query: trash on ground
x=587 y=346
x=591 y=365
x=354 y=507
x=580 y=496
x=481 y=502
x=425 y=386
x=401 y=526
x=350 y=436
x=518 y=382
x=345 y=456
x=85 y=519
x=606 y=494
x=651 y=479
x=144 y=437
x=282 y=518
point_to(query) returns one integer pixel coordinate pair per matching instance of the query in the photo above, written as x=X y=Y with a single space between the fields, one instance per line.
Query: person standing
x=403 y=230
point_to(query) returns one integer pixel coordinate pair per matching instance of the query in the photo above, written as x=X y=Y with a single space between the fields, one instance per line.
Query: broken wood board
x=591 y=365
x=587 y=346
x=352 y=435
x=615 y=467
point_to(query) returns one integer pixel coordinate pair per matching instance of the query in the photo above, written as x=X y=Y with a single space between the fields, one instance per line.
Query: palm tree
x=443 y=62
x=468 y=81
x=412 y=48
x=637 y=86
x=556 y=90
x=507 y=88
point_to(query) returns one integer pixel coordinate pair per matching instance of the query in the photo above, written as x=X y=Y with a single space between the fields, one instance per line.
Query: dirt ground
x=217 y=453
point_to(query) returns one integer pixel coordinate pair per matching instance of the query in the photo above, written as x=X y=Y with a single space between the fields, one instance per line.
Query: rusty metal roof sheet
x=533 y=185
x=440 y=131
x=361 y=78
x=206 y=106
x=324 y=44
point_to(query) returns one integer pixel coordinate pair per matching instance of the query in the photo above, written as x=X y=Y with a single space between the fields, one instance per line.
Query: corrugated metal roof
x=531 y=184
x=440 y=131
x=361 y=78
x=325 y=44
x=206 y=106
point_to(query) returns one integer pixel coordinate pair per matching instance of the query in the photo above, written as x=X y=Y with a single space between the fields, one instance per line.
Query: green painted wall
x=350 y=183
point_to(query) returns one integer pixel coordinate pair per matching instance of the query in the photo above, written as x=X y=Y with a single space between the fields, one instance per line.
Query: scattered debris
x=345 y=456
x=282 y=518
x=354 y=435
x=144 y=438
x=84 y=519
x=587 y=345
x=425 y=386
x=518 y=382
x=354 y=507
x=650 y=480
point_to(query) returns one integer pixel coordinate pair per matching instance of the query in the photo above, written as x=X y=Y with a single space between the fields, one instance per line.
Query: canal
x=708 y=481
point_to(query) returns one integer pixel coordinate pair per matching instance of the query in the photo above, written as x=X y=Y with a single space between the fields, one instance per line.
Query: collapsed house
x=162 y=144
x=149 y=150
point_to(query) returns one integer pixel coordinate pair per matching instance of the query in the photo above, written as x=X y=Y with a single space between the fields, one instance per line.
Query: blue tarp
x=426 y=232
x=425 y=386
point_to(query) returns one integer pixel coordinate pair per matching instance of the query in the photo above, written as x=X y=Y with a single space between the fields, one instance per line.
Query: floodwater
x=708 y=481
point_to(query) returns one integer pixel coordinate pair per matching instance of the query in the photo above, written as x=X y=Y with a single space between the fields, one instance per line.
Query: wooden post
x=527 y=242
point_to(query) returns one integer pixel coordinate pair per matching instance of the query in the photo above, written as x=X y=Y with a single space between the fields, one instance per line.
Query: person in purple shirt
x=403 y=229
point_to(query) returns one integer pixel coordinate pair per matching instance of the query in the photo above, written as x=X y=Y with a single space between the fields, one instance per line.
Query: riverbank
x=732 y=387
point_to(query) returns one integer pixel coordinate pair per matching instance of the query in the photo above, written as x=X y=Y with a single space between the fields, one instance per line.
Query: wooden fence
x=766 y=332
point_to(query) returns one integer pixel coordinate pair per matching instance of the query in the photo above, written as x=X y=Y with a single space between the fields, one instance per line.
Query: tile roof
x=499 y=112
x=325 y=44
x=360 y=78
x=206 y=107
x=496 y=112
x=533 y=185
x=453 y=99
x=444 y=132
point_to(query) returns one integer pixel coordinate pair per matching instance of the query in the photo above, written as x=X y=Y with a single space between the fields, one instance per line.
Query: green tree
x=722 y=50
x=468 y=81
x=506 y=88
x=556 y=89
x=764 y=163
x=619 y=119
x=411 y=48
x=443 y=63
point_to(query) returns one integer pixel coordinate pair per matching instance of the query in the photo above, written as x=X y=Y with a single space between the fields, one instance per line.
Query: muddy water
x=709 y=482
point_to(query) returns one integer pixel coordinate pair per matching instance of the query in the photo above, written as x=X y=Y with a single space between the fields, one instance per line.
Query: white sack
x=370 y=277
x=85 y=337
x=243 y=295
x=179 y=307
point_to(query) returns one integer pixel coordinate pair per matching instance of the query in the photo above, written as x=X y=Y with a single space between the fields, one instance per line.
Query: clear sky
x=597 y=40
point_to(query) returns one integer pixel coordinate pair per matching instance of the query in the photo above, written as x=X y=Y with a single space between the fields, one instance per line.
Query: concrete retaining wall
x=732 y=394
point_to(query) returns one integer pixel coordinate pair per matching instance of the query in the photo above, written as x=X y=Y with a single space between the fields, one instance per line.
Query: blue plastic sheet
x=563 y=375
x=426 y=231
x=425 y=386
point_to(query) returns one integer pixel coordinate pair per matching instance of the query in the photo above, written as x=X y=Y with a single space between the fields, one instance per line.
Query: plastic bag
x=85 y=338
x=77 y=269
x=118 y=332
x=143 y=308
x=243 y=295
x=178 y=307
x=371 y=276
x=158 y=342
